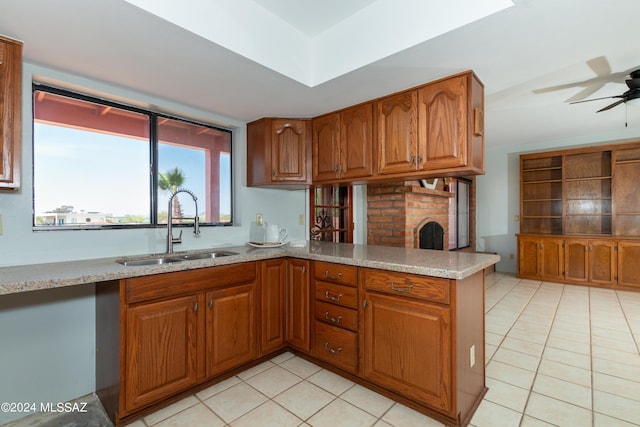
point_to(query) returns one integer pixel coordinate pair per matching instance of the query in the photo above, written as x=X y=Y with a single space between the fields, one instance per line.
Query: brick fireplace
x=396 y=212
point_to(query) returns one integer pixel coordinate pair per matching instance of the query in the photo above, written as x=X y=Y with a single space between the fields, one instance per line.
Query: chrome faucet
x=196 y=221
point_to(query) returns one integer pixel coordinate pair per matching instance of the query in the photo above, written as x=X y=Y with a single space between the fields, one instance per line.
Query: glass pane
x=198 y=158
x=90 y=163
x=463 y=214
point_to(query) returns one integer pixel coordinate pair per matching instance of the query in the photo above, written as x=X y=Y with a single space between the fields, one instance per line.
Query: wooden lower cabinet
x=231 y=328
x=423 y=339
x=590 y=261
x=298 y=301
x=407 y=348
x=417 y=339
x=629 y=264
x=541 y=258
x=605 y=261
x=273 y=292
x=161 y=350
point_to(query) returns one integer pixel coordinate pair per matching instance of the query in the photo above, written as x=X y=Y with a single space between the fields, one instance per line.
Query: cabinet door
x=602 y=261
x=273 y=305
x=396 y=119
x=576 y=256
x=326 y=147
x=161 y=350
x=10 y=112
x=552 y=259
x=628 y=265
x=230 y=328
x=289 y=150
x=356 y=142
x=407 y=348
x=442 y=124
x=298 y=301
x=528 y=256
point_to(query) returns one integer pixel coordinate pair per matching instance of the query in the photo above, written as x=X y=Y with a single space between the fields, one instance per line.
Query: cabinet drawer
x=409 y=285
x=337 y=294
x=189 y=281
x=336 y=346
x=337 y=316
x=337 y=273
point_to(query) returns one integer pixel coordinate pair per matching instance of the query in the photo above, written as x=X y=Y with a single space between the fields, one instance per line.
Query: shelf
x=542 y=216
x=542 y=169
x=546 y=181
x=542 y=200
x=588 y=178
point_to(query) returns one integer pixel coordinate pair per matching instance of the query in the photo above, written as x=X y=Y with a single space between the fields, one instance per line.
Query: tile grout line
x=544 y=348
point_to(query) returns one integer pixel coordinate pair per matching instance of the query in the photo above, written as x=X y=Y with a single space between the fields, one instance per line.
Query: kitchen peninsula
x=408 y=323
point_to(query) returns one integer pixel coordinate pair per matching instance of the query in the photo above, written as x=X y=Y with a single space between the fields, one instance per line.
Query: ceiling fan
x=633 y=83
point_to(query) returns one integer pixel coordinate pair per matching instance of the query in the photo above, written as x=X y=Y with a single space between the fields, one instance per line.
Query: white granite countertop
x=451 y=265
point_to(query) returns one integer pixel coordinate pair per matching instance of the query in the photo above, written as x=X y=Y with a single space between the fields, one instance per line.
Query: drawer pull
x=332 y=297
x=326 y=276
x=331 y=350
x=332 y=319
x=402 y=290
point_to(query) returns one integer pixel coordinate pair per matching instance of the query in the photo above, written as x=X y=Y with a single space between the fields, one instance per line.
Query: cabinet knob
x=412 y=159
x=211 y=304
x=195 y=308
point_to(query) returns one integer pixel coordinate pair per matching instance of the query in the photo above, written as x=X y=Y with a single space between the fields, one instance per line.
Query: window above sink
x=100 y=164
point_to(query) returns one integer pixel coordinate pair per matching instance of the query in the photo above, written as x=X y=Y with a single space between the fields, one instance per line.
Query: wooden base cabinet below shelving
x=605 y=261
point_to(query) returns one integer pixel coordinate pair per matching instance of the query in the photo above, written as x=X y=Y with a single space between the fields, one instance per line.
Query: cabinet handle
x=330 y=350
x=273 y=172
x=326 y=275
x=332 y=319
x=331 y=297
x=402 y=290
x=419 y=159
x=195 y=308
x=412 y=159
x=211 y=304
x=304 y=269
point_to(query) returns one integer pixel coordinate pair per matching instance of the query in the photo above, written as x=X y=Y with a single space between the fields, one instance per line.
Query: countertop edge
x=33 y=277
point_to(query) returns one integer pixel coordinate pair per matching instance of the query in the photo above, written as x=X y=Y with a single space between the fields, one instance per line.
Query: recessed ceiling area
x=313 y=42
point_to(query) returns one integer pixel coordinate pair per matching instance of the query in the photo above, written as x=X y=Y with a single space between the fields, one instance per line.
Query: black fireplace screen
x=432 y=236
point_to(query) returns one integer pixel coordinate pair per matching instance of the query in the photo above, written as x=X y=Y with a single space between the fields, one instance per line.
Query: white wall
x=48 y=338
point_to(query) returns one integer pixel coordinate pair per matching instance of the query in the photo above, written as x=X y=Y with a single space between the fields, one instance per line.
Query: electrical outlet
x=472 y=356
x=516 y=218
x=259 y=219
x=301 y=219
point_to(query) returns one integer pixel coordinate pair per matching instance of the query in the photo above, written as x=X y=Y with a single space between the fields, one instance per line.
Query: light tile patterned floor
x=557 y=355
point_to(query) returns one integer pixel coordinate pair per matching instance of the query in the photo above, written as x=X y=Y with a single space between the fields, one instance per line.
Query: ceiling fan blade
x=608 y=107
x=600 y=66
x=595 y=99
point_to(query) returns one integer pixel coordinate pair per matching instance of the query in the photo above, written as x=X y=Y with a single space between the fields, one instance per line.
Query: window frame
x=154 y=117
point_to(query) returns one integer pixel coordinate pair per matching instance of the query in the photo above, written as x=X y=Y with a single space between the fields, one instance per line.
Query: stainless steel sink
x=207 y=255
x=148 y=261
x=156 y=260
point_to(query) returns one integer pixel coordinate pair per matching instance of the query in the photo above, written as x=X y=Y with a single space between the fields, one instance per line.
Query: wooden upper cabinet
x=356 y=137
x=326 y=147
x=343 y=145
x=442 y=124
x=396 y=137
x=436 y=129
x=10 y=112
x=278 y=153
